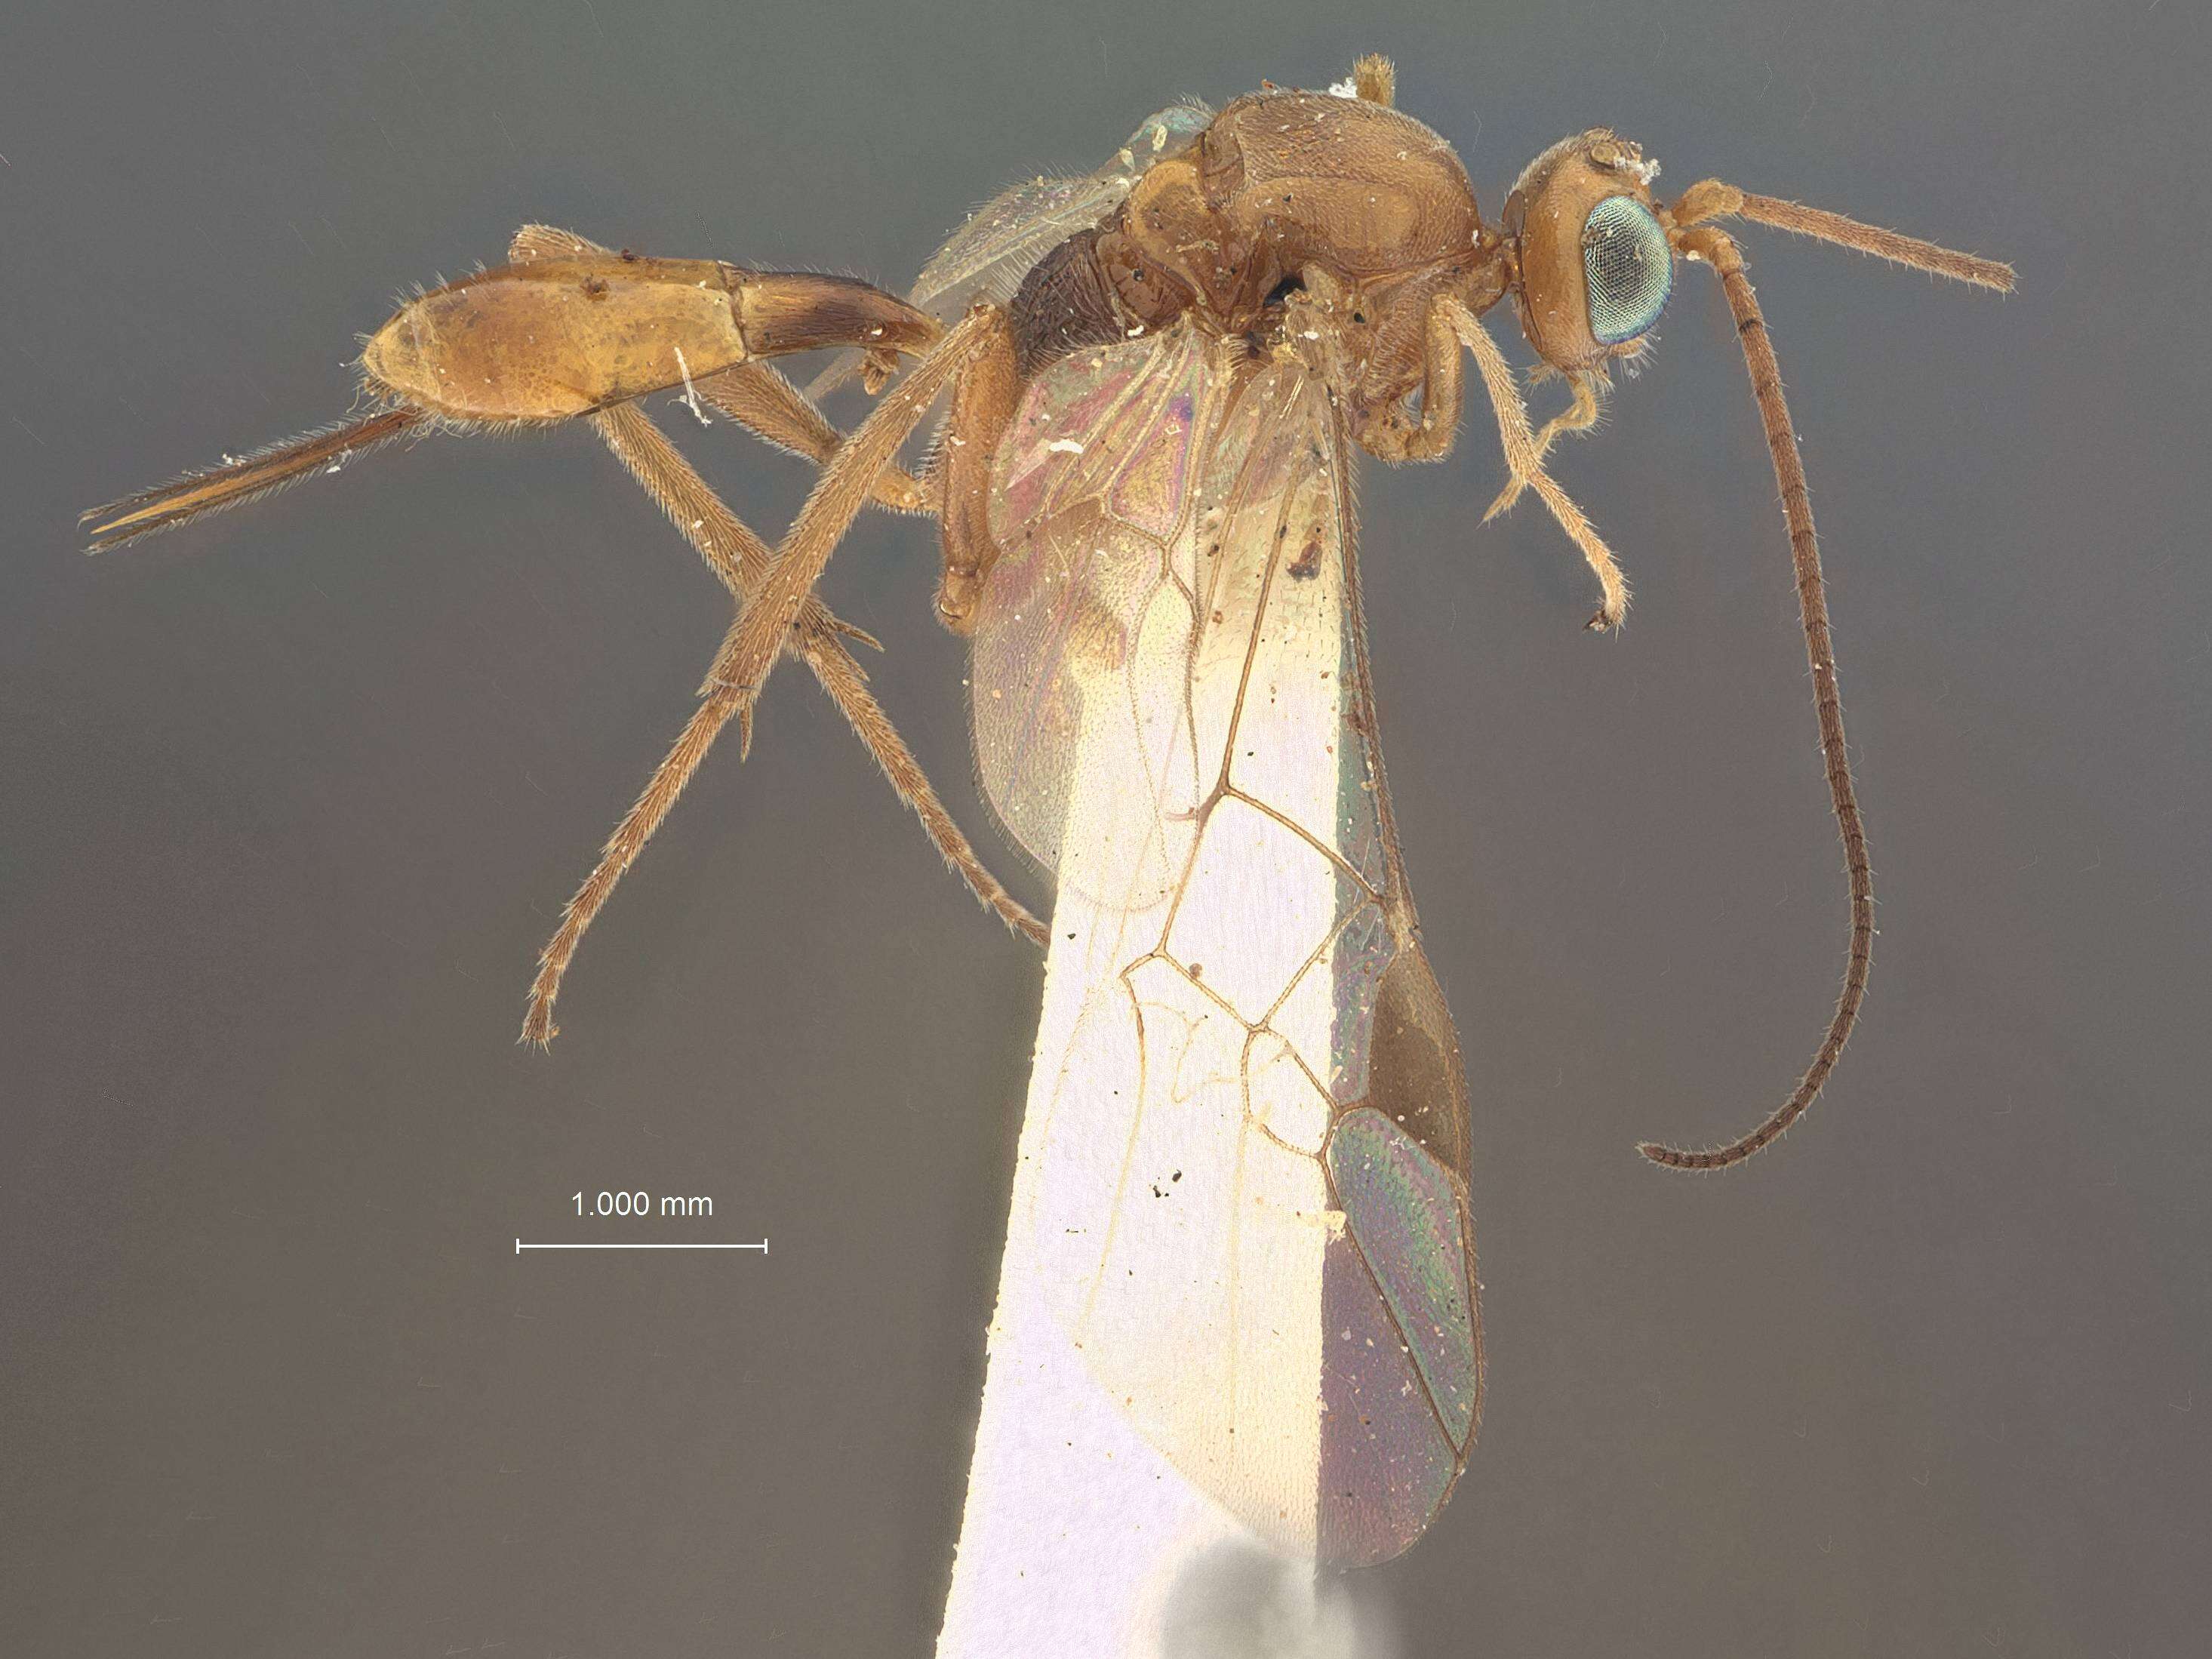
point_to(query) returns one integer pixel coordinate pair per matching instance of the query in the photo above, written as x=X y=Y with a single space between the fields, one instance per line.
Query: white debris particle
x=1346 y=88
x=1065 y=446
x=690 y=397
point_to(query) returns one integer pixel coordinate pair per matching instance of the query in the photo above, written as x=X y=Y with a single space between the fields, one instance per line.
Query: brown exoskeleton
x=1328 y=227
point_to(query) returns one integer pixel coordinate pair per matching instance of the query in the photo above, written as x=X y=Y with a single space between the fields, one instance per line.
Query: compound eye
x=1628 y=269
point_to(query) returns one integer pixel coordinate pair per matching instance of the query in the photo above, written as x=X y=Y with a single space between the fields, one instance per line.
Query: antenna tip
x=1673 y=1158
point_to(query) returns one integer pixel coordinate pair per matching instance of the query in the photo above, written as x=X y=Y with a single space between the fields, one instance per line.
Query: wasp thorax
x=1281 y=183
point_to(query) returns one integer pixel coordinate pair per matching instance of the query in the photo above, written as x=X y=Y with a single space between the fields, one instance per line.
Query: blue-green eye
x=1627 y=267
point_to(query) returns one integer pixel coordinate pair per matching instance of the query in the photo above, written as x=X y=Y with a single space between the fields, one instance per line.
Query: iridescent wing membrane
x=1253 y=1191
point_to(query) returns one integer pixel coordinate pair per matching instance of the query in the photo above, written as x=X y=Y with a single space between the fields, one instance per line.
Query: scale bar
x=519 y=1247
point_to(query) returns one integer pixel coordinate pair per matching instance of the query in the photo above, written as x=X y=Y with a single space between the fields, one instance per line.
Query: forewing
x=999 y=243
x=1084 y=646
x=1252 y=1187
x=987 y=256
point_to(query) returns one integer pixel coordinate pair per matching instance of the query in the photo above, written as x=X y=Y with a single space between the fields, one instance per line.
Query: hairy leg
x=1523 y=462
x=983 y=400
x=1580 y=416
x=736 y=553
x=763 y=629
x=1443 y=396
x=766 y=403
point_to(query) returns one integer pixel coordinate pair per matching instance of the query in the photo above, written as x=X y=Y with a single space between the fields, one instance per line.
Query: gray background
x=291 y=799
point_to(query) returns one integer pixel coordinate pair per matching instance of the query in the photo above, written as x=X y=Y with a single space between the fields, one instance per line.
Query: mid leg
x=983 y=400
x=1397 y=438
